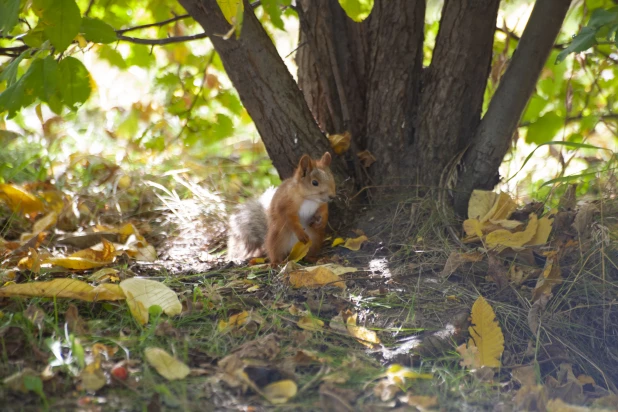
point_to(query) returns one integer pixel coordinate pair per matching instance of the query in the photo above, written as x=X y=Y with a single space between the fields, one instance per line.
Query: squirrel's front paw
x=303 y=237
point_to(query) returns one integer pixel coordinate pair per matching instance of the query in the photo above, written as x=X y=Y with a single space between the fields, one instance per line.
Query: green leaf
x=223 y=128
x=33 y=384
x=75 y=87
x=357 y=10
x=97 y=31
x=61 y=21
x=112 y=56
x=273 y=9
x=10 y=73
x=35 y=37
x=567 y=179
x=51 y=81
x=231 y=9
x=140 y=56
x=545 y=128
x=601 y=17
x=9 y=14
x=583 y=41
x=13 y=98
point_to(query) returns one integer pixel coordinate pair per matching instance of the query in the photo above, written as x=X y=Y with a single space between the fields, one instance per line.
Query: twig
x=160 y=23
x=169 y=40
x=89 y=8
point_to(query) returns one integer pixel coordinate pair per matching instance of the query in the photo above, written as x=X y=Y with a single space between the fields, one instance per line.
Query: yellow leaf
x=310 y=323
x=299 y=251
x=144 y=293
x=75 y=263
x=399 y=374
x=505 y=238
x=363 y=335
x=234 y=322
x=507 y=224
x=333 y=267
x=168 y=366
x=124 y=182
x=230 y=9
x=473 y=227
x=542 y=233
x=20 y=200
x=104 y=275
x=502 y=209
x=318 y=277
x=338 y=241
x=93 y=378
x=549 y=278
x=480 y=203
x=45 y=222
x=355 y=244
x=485 y=334
x=81 y=40
x=31 y=262
x=104 y=252
x=64 y=288
x=340 y=142
x=280 y=392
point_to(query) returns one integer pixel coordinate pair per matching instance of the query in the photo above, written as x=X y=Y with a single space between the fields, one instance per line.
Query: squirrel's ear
x=326 y=159
x=304 y=165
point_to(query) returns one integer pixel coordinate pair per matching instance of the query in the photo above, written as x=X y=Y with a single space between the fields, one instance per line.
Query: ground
x=386 y=339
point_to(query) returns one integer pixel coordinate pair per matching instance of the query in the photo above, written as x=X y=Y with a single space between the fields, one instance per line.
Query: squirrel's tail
x=248 y=228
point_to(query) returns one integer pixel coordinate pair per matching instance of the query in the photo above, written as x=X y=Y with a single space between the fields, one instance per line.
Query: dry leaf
x=64 y=288
x=473 y=227
x=549 y=278
x=32 y=262
x=422 y=403
x=534 y=314
x=168 y=366
x=333 y=267
x=20 y=200
x=469 y=356
x=318 y=277
x=104 y=275
x=340 y=142
x=355 y=244
x=502 y=209
x=363 y=335
x=92 y=377
x=280 y=392
x=485 y=334
x=480 y=203
x=310 y=323
x=504 y=238
x=542 y=232
x=456 y=259
x=45 y=222
x=525 y=375
x=234 y=322
x=366 y=158
x=143 y=293
x=338 y=241
x=299 y=251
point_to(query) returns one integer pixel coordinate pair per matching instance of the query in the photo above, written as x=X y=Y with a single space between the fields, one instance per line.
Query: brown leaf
x=497 y=271
x=525 y=375
x=76 y=324
x=549 y=278
x=456 y=259
x=366 y=158
x=534 y=314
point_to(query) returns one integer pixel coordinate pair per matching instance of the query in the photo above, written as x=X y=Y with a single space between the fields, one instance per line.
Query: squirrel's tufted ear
x=326 y=159
x=305 y=165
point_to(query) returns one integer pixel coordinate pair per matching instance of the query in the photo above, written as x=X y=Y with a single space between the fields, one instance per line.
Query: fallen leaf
x=456 y=259
x=35 y=315
x=473 y=227
x=333 y=267
x=480 y=203
x=310 y=323
x=535 y=312
x=525 y=375
x=542 y=232
x=20 y=200
x=338 y=241
x=16 y=383
x=363 y=335
x=75 y=323
x=548 y=279
x=485 y=334
x=45 y=222
x=299 y=251
x=64 y=288
x=340 y=143
x=234 y=322
x=32 y=262
x=366 y=158
x=355 y=243
x=280 y=392
x=168 y=366
x=469 y=356
x=501 y=210
x=398 y=374
x=318 y=277
x=92 y=377
x=104 y=275
x=144 y=293
x=504 y=238
x=422 y=403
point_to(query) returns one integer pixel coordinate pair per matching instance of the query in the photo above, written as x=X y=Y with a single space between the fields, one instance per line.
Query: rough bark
x=454 y=85
x=265 y=86
x=492 y=138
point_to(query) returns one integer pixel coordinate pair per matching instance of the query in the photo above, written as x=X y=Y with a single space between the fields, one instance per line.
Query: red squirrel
x=295 y=211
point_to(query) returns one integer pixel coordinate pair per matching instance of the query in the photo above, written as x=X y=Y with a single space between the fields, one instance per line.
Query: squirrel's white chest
x=307 y=210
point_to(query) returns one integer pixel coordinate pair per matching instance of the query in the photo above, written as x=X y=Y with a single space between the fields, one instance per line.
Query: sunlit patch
x=379 y=267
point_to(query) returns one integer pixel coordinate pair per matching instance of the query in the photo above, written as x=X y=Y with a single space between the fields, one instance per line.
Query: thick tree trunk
x=267 y=89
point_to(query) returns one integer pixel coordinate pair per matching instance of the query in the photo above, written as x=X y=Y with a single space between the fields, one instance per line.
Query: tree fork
x=493 y=136
x=265 y=86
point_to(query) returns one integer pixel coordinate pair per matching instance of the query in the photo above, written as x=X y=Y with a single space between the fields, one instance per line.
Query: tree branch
x=157 y=24
x=265 y=86
x=168 y=40
x=493 y=136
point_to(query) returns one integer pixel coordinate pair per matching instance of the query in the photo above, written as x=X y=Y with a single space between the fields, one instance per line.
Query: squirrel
x=295 y=211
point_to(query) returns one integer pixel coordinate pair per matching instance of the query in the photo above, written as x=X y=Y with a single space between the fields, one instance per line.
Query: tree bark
x=493 y=136
x=265 y=86
x=454 y=85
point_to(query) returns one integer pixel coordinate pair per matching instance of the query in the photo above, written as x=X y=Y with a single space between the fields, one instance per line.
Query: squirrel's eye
x=314 y=182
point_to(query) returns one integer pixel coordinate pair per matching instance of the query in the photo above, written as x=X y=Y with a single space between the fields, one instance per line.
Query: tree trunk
x=368 y=78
